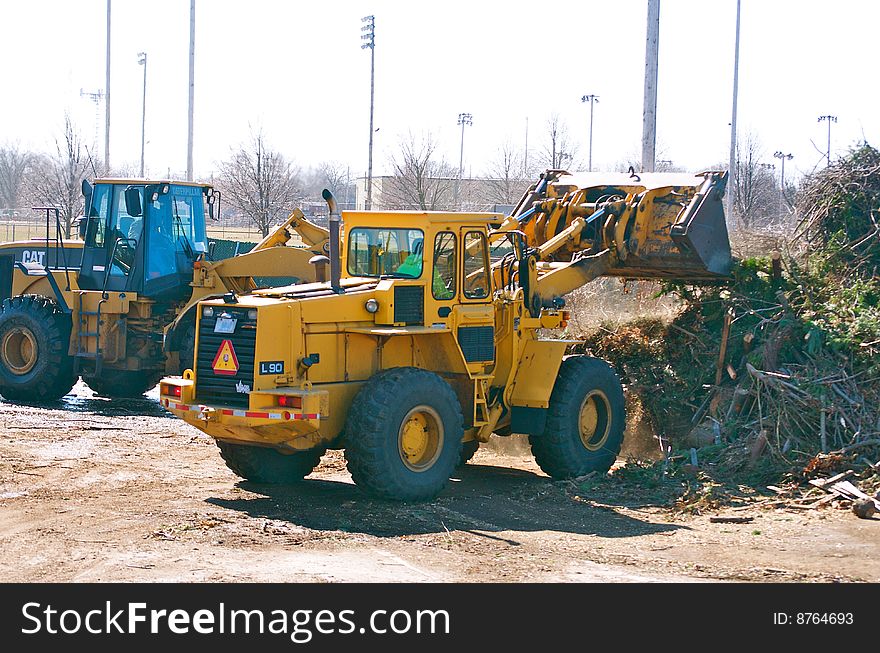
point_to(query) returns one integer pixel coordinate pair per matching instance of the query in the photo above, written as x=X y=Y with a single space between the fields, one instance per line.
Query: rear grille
x=223 y=389
x=409 y=304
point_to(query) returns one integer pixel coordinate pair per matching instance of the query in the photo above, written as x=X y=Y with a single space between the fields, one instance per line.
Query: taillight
x=171 y=390
x=290 y=401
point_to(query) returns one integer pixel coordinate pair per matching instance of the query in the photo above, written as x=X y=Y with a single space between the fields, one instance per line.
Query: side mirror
x=133 y=202
x=87 y=190
x=213 y=198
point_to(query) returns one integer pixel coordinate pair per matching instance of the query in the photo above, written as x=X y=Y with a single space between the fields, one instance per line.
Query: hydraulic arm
x=651 y=226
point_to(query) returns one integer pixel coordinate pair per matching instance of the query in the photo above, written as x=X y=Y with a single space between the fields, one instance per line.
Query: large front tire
x=585 y=420
x=263 y=465
x=34 y=341
x=403 y=435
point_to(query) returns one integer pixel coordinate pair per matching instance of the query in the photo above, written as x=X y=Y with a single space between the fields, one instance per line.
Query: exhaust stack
x=335 y=225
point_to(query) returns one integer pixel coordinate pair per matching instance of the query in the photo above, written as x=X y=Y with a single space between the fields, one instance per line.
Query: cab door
x=112 y=252
x=474 y=323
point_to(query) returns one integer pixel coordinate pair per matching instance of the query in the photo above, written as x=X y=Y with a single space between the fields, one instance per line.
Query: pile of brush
x=780 y=364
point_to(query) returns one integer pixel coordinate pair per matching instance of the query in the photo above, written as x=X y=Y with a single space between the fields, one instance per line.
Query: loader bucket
x=654 y=225
x=702 y=229
x=676 y=232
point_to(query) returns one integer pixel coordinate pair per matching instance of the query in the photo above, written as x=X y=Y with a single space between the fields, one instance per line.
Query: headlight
x=252 y=314
x=207 y=311
x=371 y=305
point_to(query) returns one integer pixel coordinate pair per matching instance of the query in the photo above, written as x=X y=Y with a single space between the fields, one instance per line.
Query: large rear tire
x=263 y=465
x=403 y=435
x=468 y=450
x=34 y=341
x=585 y=420
x=124 y=383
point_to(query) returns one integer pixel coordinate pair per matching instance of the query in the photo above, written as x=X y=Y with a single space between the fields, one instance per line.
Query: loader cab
x=446 y=253
x=441 y=267
x=142 y=236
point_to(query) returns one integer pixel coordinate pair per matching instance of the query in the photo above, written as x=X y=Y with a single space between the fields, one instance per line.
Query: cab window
x=443 y=283
x=97 y=215
x=385 y=252
x=476 y=265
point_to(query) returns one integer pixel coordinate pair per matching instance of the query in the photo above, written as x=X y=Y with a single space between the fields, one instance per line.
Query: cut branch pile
x=776 y=375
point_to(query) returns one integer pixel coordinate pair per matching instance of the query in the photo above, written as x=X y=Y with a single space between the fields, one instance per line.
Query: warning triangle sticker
x=225 y=362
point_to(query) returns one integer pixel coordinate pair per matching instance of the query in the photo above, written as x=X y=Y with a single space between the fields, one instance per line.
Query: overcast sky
x=296 y=70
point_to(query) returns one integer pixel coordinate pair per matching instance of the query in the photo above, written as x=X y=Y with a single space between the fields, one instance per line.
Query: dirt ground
x=101 y=490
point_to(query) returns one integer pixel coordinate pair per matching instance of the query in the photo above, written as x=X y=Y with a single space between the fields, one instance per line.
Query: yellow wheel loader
x=117 y=306
x=429 y=335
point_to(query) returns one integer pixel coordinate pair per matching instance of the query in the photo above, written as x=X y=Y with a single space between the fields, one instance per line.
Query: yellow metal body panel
x=536 y=373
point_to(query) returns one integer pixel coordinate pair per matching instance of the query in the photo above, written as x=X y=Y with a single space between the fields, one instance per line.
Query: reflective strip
x=175 y=406
x=242 y=413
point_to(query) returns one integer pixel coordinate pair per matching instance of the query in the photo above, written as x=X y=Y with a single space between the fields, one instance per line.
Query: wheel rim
x=420 y=438
x=19 y=349
x=594 y=421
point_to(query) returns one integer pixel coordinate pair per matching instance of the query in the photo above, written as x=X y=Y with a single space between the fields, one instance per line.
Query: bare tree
x=420 y=180
x=504 y=177
x=558 y=150
x=56 y=180
x=755 y=190
x=334 y=176
x=14 y=164
x=260 y=183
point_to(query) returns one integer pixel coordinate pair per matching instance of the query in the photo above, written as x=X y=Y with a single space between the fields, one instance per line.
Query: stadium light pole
x=592 y=99
x=463 y=119
x=192 y=90
x=829 y=119
x=369 y=37
x=778 y=154
x=142 y=60
x=107 y=100
x=731 y=170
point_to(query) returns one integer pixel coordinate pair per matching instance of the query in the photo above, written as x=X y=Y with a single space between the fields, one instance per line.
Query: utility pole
x=649 y=115
x=829 y=120
x=192 y=89
x=463 y=119
x=142 y=60
x=592 y=99
x=731 y=170
x=369 y=36
x=107 y=101
x=782 y=157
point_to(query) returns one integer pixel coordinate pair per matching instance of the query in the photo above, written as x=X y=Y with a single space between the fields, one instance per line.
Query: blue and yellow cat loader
x=117 y=305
